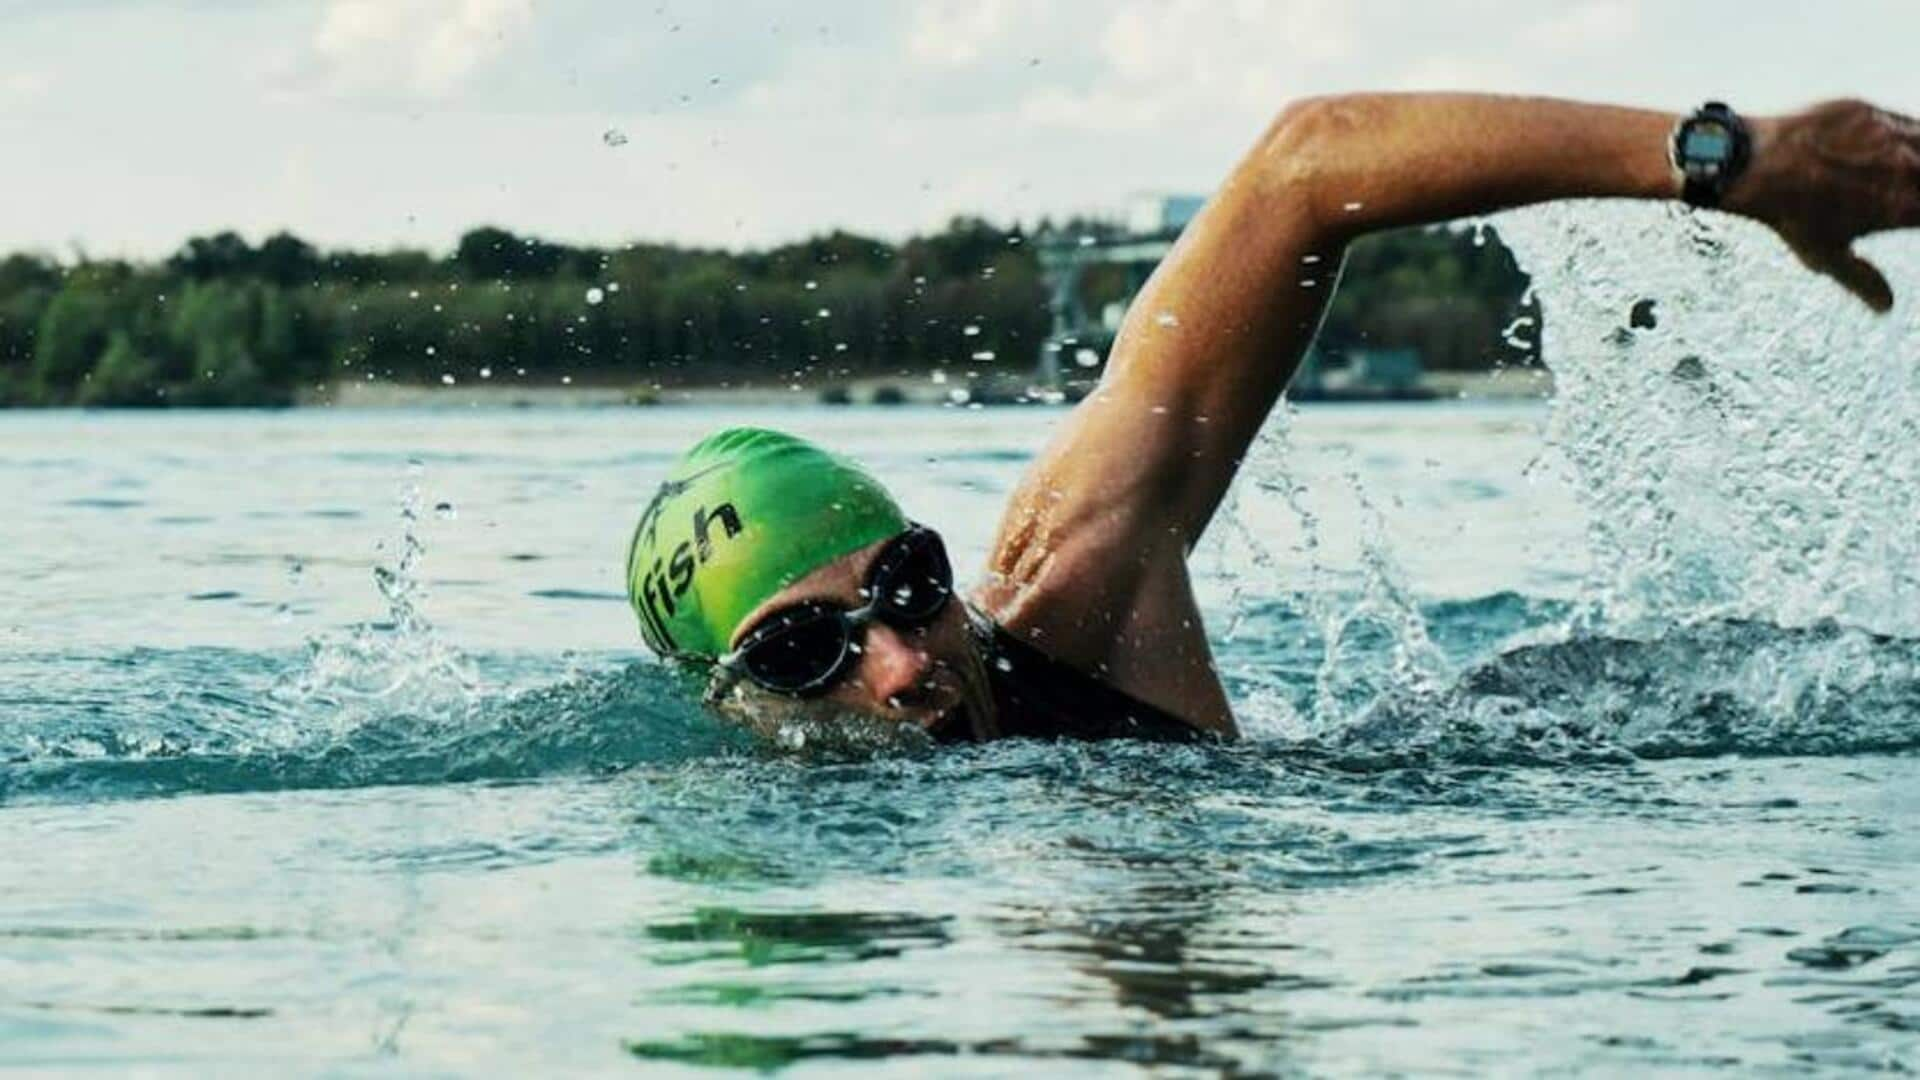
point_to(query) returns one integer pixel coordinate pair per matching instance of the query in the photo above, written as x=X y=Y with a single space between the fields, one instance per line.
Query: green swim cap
x=742 y=515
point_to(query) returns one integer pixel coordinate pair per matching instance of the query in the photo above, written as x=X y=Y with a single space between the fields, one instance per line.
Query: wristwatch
x=1710 y=148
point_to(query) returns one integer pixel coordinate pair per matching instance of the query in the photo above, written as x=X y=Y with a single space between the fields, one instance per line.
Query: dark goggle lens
x=912 y=580
x=798 y=652
x=804 y=649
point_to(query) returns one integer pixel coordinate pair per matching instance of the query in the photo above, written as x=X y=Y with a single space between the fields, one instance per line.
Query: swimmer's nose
x=893 y=667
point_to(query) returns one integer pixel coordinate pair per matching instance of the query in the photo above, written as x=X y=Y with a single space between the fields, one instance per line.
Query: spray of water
x=1745 y=436
x=1745 y=439
x=399 y=664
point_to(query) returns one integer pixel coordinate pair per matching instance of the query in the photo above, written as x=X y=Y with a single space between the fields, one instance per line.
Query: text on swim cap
x=670 y=576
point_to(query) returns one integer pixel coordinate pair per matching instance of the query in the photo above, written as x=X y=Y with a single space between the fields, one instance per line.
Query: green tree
x=71 y=338
x=124 y=376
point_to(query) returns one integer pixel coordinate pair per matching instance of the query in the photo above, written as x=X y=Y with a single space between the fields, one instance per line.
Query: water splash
x=1745 y=440
x=399 y=664
x=1745 y=435
x=1371 y=634
x=387 y=702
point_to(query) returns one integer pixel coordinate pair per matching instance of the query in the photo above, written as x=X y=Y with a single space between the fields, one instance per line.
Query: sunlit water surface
x=1580 y=738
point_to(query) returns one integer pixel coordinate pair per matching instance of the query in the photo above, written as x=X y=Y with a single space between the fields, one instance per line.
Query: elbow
x=1306 y=156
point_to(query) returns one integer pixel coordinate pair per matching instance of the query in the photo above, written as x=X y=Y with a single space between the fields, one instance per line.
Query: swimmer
x=791 y=579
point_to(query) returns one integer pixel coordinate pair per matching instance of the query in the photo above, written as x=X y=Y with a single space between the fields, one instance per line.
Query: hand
x=1828 y=176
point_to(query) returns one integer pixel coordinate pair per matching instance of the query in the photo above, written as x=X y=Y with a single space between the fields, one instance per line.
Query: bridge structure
x=1076 y=345
x=1078 y=332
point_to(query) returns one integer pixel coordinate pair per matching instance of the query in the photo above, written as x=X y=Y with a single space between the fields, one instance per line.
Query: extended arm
x=1109 y=510
x=1211 y=342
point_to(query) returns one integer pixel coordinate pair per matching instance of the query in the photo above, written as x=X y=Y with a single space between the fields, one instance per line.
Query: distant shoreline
x=1504 y=385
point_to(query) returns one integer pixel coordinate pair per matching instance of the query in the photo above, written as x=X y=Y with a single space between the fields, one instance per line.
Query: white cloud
x=1593 y=24
x=1453 y=73
x=23 y=86
x=955 y=33
x=1222 y=41
x=407 y=121
x=427 y=47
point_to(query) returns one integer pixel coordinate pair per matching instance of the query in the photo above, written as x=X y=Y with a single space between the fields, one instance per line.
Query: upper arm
x=1206 y=350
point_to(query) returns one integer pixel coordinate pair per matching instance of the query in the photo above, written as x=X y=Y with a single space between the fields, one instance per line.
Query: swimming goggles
x=804 y=649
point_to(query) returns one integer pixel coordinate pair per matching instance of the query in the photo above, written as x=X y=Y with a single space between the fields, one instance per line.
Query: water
x=1580 y=738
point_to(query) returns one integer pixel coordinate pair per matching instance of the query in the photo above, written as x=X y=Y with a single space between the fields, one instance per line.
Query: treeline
x=226 y=322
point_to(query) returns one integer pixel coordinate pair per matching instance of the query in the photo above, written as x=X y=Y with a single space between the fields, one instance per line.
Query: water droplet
x=958 y=395
x=445 y=511
x=431 y=350
x=614 y=137
x=984 y=355
x=486 y=373
x=1353 y=206
x=970 y=330
x=812 y=285
x=613 y=286
x=595 y=295
x=824 y=313
x=1086 y=358
x=1003 y=663
x=1308 y=283
x=1167 y=318
x=447 y=378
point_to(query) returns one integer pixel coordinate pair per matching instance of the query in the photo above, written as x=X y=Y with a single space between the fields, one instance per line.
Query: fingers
x=1861 y=278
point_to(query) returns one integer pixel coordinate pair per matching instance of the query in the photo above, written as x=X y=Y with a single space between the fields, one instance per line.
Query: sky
x=128 y=125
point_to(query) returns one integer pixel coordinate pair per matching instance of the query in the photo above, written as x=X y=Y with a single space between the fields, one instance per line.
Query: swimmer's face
x=931 y=677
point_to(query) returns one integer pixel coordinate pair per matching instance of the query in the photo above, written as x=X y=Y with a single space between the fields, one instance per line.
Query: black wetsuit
x=1038 y=696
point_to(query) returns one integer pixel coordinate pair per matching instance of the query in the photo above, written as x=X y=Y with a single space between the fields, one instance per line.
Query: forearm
x=1366 y=162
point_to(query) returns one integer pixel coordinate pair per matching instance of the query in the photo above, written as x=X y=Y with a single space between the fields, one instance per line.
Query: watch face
x=1707 y=143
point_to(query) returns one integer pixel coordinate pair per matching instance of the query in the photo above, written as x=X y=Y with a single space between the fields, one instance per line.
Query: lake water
x=1579 y=739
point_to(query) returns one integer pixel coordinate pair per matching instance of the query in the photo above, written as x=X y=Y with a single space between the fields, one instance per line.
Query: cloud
x=1451 y=72
x=424 y=47
x=19 y=87
x=407 y=121
x=1594 y=24
x=955 y=33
